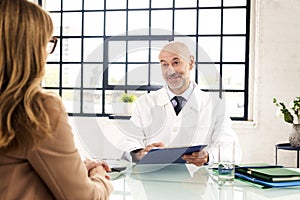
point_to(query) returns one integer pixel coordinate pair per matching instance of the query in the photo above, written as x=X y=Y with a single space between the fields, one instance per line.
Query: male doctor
x=180 y=114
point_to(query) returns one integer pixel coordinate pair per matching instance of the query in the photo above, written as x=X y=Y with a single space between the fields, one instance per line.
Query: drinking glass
x=226 y=158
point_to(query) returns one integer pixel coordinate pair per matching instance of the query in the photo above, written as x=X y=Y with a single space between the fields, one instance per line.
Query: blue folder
x=168 y=155
x=268 y=184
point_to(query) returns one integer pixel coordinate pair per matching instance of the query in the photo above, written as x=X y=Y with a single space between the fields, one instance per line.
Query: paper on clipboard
x=169 y=154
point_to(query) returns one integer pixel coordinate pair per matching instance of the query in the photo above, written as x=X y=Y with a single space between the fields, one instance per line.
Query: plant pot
x=122 y=108
x=294 y=136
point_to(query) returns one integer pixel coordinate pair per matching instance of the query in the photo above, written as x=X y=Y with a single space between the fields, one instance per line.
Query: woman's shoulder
x=52 y=101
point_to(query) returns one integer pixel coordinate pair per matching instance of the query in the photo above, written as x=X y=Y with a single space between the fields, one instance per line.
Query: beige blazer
x=54 y=170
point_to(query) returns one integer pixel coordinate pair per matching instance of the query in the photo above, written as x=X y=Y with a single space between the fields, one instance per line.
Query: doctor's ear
x=192 y=62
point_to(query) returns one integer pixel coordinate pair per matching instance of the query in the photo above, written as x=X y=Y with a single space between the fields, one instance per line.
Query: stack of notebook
x=269 y=175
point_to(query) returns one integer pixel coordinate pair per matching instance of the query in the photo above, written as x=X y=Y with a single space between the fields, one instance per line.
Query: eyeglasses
x=51 y=45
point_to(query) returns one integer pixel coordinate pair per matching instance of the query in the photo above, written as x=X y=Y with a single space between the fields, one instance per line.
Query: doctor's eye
x=176 y=63
x=164 y=65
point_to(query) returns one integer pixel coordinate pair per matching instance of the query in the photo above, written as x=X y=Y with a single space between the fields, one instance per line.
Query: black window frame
x=148 y=88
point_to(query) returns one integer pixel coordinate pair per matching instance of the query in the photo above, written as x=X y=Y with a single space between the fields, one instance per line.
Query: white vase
x=294 y=136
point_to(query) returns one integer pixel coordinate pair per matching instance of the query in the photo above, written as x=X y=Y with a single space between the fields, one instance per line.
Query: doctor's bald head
x=176 y=63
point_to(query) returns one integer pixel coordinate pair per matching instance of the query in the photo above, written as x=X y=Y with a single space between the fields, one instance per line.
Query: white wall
x=277 y=74
x=275 y=36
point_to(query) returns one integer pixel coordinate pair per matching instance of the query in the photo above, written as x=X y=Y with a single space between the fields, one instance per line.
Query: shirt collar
x=186 y=94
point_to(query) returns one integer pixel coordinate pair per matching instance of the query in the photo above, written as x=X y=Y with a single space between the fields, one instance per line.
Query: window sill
x=244 y=124
x=119 y=116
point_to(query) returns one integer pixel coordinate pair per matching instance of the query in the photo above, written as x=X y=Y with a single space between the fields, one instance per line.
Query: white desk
x=182 y=182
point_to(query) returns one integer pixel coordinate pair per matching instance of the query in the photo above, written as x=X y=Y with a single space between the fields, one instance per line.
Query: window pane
x=115 y=22
x=156 y=75
x=71 y=100
x=162 y=3
x=56 y=23
x=115 y=4
x=233 y=77
x=235 y=103
x=116 y=74
x=158 y=22
x=209 y=76
x=71 y=75
x=92 y=75
x=92 y=101
x=193 y=74
x=156 y=46
x=138 y=51
x=93 y=5
x=70 y=24
x=209 y=49
x=54 y=91
x=110 y=98
x=72 y=4
x=138 y=4
x=234 y=49
x=137 y=74
x=117 y=51
x=186 y=3
x=93 y=49
x=138 y=20
x=235 y=2
x=72 y=50
x=234 y=21
x=190 y=42
x=52 y=5
x=51 y=78
x=185 y=22
x=209 y=21
x=209 y=3
x=93 y=23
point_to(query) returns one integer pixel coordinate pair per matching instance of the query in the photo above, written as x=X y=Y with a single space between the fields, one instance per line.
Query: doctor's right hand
x=153 y=145
x=138 y=154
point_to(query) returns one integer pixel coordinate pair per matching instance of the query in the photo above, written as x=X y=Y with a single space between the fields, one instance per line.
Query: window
x=108 y=47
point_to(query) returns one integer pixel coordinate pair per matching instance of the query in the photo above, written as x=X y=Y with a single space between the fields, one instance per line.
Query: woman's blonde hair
x=25 y=29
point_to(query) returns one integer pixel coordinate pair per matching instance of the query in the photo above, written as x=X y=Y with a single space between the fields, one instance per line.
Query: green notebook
x=273 y=174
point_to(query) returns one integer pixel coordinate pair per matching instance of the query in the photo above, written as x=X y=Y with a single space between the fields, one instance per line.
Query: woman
x=38 y=158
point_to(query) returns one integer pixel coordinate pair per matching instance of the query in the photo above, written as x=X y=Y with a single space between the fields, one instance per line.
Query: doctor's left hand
x=196 y=158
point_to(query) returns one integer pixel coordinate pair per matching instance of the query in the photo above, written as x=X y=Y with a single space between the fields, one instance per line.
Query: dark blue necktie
x=178 y=103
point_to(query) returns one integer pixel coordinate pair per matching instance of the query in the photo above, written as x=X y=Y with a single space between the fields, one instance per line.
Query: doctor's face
x=176 y=70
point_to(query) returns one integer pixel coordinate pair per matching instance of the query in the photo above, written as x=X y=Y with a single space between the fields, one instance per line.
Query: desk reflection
x=179 y=181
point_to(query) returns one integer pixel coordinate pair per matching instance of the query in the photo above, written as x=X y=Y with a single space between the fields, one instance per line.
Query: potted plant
x=291 y=115
x=127 y=99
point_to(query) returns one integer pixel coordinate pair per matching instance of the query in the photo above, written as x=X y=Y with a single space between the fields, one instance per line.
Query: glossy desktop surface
x=180 y=181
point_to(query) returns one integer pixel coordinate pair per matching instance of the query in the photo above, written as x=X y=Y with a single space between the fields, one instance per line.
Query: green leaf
x=288 y=117
x=128 y=98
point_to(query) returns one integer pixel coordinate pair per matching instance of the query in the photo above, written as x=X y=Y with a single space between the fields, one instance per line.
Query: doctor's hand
x=153 y=145
x=140 y=153
x=196 y=158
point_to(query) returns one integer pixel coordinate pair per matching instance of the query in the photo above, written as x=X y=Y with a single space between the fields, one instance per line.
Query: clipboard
x=169 y=155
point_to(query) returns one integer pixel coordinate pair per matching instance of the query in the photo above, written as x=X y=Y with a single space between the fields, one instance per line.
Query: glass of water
x=226 y=157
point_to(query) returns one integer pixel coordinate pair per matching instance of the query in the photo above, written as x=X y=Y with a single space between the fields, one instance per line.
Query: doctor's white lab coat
x=202 y=120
